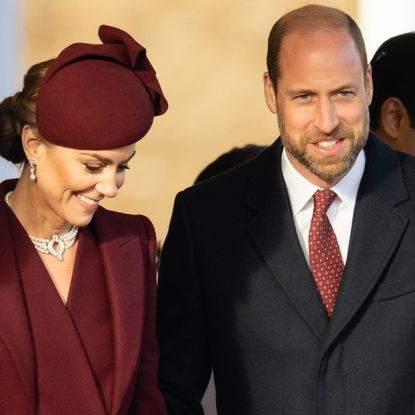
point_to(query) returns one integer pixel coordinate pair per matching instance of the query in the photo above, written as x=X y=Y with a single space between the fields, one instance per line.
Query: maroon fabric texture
x=88 y=306
x=98 y=97
x=11 y=385
x=126 y=246
x=16 y=346
x=65 y=381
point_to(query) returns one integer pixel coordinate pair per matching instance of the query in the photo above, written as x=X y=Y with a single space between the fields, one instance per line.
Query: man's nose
x=326 y=119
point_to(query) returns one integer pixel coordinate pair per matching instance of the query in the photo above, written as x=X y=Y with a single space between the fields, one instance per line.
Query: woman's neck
x=25 y=202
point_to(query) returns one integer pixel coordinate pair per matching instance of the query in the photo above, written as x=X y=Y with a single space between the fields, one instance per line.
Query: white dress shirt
x=340 y=213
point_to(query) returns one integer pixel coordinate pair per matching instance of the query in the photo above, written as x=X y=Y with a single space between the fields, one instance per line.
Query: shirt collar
x=300 y=190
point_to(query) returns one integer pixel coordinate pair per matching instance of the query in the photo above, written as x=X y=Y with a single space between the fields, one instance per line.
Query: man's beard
x=329 y=169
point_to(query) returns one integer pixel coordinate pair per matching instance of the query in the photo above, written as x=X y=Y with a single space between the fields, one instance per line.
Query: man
x=392 y=112
x=252 y=282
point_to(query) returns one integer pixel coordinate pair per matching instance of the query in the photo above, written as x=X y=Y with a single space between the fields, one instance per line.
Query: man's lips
x=327 y=143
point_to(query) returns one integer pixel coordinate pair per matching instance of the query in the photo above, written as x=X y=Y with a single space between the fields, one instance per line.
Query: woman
x=77 y=282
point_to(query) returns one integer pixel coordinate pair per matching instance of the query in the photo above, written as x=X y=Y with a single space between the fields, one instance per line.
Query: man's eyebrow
x=294 y=92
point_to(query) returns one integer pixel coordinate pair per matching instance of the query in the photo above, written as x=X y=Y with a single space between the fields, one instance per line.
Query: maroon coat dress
x=95 y=355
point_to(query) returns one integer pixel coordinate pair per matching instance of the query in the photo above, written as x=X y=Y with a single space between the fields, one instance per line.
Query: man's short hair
x=393 y=71
x=308 y=19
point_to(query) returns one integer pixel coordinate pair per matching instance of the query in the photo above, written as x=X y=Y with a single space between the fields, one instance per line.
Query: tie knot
x=322 y=201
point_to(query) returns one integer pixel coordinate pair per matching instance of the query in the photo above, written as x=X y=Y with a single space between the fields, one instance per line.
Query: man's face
x=322 y=103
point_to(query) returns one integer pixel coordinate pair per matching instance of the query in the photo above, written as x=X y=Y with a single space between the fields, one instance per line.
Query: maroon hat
x=99 y=97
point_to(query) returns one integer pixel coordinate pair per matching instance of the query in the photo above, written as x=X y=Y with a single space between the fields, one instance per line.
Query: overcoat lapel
x=124 y=267
x=65 y=381
x=377 y=229
x=273 y=231
x=14 y=325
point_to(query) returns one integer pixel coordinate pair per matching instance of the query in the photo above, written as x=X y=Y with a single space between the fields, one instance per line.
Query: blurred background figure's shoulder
x=229 y=160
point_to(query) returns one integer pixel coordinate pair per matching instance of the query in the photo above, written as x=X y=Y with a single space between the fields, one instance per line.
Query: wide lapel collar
x=273 y=230
x=61 y=359
x=14 y=324
x=123 y=265
x=376 y=231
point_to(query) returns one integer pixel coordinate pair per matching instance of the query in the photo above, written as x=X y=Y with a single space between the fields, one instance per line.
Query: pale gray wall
x=10 y=55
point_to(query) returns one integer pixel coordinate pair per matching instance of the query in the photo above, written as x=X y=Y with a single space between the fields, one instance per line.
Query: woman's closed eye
x=93 y=167
x=123 y=167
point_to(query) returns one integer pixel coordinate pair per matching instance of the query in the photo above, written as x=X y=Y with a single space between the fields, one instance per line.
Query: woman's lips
x=89 y=203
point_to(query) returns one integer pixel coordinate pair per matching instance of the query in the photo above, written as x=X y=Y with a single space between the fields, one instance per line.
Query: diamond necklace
x=47 y=246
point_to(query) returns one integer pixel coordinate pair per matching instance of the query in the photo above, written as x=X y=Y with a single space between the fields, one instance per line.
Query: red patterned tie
x=326 y=262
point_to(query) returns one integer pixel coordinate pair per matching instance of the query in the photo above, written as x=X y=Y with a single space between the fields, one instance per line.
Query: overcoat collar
x=273 y=231
x=14 y=324
x=378 y=226
x=376 y=230
x=123 y=263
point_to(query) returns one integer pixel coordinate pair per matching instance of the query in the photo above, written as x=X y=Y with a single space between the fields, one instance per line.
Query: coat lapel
x=273 y=230
x=121 y=252
x=376 y=231
x=14 y=325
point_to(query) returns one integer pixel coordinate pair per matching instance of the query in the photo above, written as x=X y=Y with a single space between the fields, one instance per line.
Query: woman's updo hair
x=19 y=110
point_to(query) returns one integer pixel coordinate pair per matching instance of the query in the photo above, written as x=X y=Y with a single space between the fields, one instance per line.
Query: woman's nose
x=107 y=188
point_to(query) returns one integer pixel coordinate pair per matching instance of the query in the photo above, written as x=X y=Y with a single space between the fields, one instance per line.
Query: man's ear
x=393 y=117
x=369 y=85
x=32 y=143
x=269 y=93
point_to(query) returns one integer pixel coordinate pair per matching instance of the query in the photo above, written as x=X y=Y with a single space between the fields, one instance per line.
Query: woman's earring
x=32 y=170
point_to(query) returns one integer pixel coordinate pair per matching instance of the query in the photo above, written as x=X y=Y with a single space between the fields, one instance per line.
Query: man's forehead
x=299 y=43
x=320 y=59
x=312 y=35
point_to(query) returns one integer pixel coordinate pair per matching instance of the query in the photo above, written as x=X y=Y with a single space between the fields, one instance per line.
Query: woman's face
x=71 y=183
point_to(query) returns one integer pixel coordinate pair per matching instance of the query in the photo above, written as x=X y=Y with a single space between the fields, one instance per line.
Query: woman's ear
x=32 y=143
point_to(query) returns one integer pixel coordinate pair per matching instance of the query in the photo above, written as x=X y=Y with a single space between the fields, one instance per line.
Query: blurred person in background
x=392 y=111
x=77 y=282
x=229 y=160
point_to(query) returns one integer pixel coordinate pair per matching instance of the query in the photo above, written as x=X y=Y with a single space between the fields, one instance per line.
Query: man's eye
x=346 y=94
x=304 y=97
